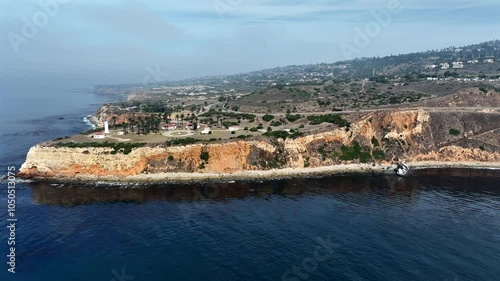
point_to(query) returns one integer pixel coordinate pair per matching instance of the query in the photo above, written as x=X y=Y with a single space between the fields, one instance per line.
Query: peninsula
x=424 y=109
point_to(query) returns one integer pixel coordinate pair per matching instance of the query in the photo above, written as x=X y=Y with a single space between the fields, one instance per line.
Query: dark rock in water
x=61 y=118
x=402 y=170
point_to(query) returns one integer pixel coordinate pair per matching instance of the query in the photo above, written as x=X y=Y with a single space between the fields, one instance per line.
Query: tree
x=195 y=125
x=113 y=120
x=182 y=121
x=131 y=122
x=218 y=119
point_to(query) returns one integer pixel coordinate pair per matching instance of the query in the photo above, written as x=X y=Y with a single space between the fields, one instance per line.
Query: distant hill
x=471 y=60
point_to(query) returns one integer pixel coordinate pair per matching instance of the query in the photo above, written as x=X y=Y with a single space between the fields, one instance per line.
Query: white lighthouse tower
x=106 y=127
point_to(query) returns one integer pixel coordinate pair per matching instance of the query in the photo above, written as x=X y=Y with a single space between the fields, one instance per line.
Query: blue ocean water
x=435 y=225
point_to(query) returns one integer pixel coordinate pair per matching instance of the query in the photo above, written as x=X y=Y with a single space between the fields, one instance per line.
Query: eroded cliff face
x=107 y=112
x=384 y=137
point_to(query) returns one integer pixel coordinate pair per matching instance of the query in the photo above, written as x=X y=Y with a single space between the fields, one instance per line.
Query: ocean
x=433 y=225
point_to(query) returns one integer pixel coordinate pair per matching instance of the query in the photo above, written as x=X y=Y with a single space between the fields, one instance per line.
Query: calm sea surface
x=435 y=225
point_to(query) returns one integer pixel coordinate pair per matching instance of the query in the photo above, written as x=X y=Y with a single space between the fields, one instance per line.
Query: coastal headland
x=373 y=144
x=361 y=116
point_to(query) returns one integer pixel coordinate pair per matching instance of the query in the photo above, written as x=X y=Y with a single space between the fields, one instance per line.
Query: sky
x=88 y=42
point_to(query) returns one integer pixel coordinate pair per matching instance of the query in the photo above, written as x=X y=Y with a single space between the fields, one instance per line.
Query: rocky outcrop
x=381 y=138
x=115 y=115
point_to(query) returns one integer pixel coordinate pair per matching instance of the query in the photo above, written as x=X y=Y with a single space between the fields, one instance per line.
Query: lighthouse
x=106 y=127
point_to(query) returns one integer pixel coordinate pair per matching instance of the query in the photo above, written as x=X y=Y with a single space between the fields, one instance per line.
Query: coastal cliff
x=372 y=143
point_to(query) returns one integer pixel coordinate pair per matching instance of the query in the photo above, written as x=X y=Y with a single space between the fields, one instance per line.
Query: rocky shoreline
x=269 y=175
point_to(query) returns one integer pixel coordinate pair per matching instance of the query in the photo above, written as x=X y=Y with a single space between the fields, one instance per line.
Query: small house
x=99 y=135
x=205 y=131
x=444 y=65
x=169 y=127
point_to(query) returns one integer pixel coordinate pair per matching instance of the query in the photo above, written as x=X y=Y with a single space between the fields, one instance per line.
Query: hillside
x=473 y=58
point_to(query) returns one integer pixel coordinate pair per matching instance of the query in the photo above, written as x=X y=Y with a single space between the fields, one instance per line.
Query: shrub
x=204 y=155
x=282 y=134
x=292 y=117
x=185 y=141
x=170 y=158
x=378 y=154
x=322 y=151
x=124 y=148
x=268 y=117
x=454 y=132
x=329 y=118
x=276 y=123
x=354 y=152
x=211 y=113
x=375 y=142
x=307 y=163
x=92 y=131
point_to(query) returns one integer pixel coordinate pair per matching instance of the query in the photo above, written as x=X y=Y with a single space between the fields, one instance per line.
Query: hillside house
x=444 y=65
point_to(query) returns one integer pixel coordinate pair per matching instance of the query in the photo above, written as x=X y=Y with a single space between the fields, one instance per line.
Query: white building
x=106 y=127
x=99 y=135
x=169 y=127
x=205 y=131
x=489 y=61
x=473 y=61
x=444 y=65
x=457 y=64
x=234 y=128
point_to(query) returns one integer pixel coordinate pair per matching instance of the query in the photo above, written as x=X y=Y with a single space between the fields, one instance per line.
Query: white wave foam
x=87 y=121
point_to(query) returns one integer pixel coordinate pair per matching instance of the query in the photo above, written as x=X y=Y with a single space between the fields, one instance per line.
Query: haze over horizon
x=83 y=43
